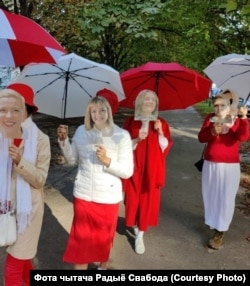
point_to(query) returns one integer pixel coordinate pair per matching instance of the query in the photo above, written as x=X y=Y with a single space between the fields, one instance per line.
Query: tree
x=126 y=33
x=21 y=7
x=101 y=30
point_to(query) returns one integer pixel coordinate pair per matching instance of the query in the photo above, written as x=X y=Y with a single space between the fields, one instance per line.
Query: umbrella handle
x=245 y=101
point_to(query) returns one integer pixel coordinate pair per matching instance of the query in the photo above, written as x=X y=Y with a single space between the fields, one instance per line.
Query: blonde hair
x=98 y=100
x=9 y=93
x=140 y=98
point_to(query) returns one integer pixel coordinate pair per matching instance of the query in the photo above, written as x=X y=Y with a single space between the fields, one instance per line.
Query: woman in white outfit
x=103 y=152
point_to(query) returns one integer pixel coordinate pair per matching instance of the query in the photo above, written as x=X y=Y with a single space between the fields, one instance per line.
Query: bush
x=204 y=107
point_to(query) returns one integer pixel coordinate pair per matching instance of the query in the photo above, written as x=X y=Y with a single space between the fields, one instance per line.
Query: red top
x=149 y=160
x=224 y=148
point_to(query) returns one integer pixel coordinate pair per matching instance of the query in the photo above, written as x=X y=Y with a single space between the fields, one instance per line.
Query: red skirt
x=92 y=232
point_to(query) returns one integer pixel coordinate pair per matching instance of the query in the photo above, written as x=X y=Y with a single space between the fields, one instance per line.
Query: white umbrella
x=64 y=89
x=232 y=72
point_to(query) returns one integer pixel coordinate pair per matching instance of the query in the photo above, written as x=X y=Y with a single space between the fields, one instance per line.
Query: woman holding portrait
x=151 y=143
x=223 y=131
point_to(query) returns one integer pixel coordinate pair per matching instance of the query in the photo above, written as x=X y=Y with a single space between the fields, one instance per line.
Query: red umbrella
x=23 y=41
x=176 y=86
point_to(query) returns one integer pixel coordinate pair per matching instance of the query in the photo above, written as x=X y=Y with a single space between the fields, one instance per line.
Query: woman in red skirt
x=151 y=143
x=103 y=152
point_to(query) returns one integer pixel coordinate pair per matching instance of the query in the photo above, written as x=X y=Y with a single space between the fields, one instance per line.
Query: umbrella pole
x=245 y=101
x=65 y=95
x=243 y=104
x=157 y=83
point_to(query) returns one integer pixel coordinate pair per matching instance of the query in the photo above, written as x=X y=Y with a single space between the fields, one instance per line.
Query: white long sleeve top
x=94 y=181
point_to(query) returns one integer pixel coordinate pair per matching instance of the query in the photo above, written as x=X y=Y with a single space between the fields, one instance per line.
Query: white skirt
x=220 y=184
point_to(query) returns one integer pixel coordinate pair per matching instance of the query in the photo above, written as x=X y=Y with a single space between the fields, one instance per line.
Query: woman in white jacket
x=103 y=152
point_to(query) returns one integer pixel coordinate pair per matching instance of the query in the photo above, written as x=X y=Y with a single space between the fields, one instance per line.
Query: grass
x=204 y=107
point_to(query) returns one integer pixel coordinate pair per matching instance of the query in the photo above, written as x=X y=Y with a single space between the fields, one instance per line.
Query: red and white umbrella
x=23 y=41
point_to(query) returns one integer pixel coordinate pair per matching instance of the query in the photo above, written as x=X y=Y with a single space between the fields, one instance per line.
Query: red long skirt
x=92 y=232
x=142 y=208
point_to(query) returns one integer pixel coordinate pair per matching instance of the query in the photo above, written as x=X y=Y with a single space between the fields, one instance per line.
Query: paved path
x=177 y=243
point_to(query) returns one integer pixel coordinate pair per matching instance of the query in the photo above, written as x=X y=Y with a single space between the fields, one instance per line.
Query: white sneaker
x=136 y=230
x=99 y=268
x=139 y=245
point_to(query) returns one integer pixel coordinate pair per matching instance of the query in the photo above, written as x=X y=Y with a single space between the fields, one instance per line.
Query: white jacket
x=95 y=182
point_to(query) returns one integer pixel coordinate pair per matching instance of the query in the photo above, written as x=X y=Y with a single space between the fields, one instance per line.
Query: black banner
x=177 y=277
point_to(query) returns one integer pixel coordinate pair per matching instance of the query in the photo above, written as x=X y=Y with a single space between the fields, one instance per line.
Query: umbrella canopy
x=23 y=41
x=64 y=89
x=176 y=86
x=232 y=72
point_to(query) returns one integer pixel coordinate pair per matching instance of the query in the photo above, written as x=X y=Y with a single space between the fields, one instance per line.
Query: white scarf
x=23 y=190
x=5 y=173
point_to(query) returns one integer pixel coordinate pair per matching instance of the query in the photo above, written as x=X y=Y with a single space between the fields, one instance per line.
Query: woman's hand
x=142 y=135
x=158 y=126
x=62 y=132
x=217 y=129
x=101 y=155
x=14 y=154
x=243 y=112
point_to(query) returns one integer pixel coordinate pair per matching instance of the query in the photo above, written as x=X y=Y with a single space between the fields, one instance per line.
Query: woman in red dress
x=151 y=143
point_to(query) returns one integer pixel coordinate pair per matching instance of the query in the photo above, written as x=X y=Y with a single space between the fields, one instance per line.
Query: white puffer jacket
x=95 y=182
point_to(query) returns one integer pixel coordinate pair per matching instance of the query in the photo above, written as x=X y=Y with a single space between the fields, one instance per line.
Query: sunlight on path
x=182 y=132
x=60 y=207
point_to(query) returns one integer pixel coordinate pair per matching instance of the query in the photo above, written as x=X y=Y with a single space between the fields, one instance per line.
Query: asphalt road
x=177 y=243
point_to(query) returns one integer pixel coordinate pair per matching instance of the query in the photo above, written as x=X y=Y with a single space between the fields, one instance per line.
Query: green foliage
x=114 y=30
x=127 y=33
x=204 y=107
